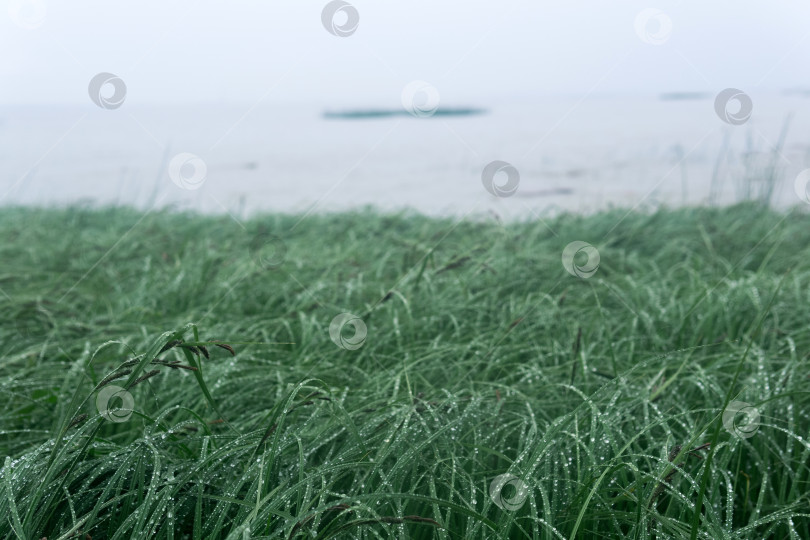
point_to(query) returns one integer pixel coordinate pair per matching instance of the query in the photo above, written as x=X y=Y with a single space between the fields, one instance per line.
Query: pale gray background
x=572 y=94
x=203 y=51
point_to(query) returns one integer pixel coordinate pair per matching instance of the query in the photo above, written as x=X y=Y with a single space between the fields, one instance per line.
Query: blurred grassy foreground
x=494 y=394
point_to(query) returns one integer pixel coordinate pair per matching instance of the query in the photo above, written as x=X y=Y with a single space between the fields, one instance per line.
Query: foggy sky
x=190 y=51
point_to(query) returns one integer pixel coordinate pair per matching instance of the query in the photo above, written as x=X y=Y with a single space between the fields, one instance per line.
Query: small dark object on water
x=362 y=114
x=545 y=192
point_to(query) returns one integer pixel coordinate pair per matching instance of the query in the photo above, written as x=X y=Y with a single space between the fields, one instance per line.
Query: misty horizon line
x=481 y=101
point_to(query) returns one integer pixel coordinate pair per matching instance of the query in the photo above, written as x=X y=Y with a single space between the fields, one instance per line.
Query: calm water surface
x=574 y=154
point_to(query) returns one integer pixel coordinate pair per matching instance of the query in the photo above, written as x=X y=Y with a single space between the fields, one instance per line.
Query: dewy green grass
x=406 y=377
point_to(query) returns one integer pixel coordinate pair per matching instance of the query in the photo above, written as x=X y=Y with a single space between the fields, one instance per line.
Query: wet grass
x=602 y=397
